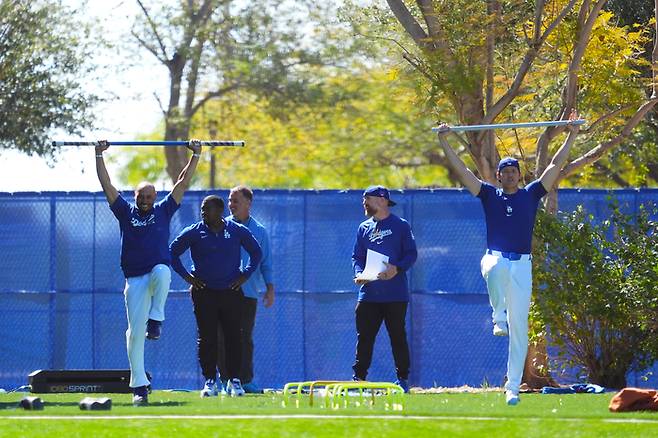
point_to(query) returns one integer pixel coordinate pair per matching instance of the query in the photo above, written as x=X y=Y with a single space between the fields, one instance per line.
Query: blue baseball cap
x=507 y=162
x=380 y=192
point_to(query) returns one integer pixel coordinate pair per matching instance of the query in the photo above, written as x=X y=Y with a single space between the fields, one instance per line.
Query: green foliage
x=596 y=291
x=361 y=129
x=43 y=56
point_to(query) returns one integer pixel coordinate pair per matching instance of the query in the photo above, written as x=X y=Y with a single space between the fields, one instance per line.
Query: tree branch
x=609 y=173
x=149 y=47
x=213 y=95
x=528 y=59
x=409 y=23
x=430 y=17
x=582 y=40
x=157 y=99
x=605 y=117
x=154 y=29
x=598 y=151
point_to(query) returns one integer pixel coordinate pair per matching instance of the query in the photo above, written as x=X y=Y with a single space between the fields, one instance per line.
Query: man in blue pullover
x=216 y=278
x=239 y=202
x=386 y=298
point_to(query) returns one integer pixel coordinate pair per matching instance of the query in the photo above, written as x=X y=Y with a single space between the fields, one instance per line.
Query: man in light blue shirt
x=239 y=202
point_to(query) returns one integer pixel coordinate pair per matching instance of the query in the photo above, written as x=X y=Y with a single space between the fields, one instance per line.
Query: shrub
x=596 y=292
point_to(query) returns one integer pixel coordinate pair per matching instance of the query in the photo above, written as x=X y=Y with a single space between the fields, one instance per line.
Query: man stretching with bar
x=506 y=266
x=144 y=258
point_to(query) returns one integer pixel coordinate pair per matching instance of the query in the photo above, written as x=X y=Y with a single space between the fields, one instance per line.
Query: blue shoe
x=512 y=398
x=251 y=388
x=153 y=329
x=402 y=383
x=209 y=389
x=140 y=396
x=222 y=387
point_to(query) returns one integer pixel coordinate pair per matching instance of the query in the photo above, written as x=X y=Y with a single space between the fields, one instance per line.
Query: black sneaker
x=140 y=396
x=153 y=329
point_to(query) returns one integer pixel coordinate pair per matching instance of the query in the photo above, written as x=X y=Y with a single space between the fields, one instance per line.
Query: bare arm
x=110 y=191
x=553 y=170
x=185 y=176
x=468 y=178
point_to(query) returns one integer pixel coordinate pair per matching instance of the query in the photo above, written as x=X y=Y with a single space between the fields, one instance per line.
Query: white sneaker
x=512 y=397
x=209 y=388
x=234 y=388
x=500 y=329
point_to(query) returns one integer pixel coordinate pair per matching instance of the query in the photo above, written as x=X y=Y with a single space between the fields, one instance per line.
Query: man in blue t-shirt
x=239 y=202
x=386 y=297
x=506 y=266
x=144 y=229
x=216 y=279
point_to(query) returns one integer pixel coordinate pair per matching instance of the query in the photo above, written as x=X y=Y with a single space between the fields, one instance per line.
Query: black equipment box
x=85 y=381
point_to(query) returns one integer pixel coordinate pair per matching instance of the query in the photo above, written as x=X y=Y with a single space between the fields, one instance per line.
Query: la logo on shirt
x=377 y=236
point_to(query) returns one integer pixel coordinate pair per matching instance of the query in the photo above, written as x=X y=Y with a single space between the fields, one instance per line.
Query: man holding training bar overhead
x=144 y=258
x=506 y=266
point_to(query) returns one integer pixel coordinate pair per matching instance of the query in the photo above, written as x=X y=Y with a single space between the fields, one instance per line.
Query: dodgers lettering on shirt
x=511 y=218
x=252 y=286
x=216 y=256
x=392 y=237
x=144 y=239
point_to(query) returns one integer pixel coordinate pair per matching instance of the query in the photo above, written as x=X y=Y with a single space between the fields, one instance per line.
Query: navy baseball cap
x=380 y=192
x=507 y=162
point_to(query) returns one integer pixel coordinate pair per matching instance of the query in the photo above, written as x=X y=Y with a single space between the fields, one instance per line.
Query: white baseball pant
x=145 y=298
x=509 y=283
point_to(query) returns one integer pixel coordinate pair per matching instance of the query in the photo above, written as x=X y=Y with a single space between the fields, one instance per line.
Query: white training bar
x=513 y=125
x=149 y=143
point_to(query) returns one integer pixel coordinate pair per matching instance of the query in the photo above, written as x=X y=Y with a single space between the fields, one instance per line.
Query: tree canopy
x=43 y=61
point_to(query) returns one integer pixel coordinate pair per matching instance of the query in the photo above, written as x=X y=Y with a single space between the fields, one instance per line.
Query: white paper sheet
x=374 y=265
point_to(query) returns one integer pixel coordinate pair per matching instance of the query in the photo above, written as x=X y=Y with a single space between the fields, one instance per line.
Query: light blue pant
x=145 y=298
x=510 y=286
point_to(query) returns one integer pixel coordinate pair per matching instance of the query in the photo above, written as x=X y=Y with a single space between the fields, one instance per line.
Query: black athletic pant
x=249 y=306
x=213 y=309
x=369 y=317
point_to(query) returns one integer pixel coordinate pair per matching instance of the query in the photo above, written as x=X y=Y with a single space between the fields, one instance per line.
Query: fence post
x=52 y=280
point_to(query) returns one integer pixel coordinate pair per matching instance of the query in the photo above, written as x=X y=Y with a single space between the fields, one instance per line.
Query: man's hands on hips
x=195 y=282
x=238 y=282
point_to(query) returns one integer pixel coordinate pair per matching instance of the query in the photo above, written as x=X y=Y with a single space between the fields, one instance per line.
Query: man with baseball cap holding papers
x=384 y=295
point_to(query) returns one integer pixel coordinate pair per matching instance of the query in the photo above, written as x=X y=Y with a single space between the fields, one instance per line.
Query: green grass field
x=186 y=414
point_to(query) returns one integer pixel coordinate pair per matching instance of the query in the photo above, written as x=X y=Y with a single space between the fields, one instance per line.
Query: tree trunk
x=174 y=121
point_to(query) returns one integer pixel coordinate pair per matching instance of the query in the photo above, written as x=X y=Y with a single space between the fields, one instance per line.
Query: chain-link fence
x=61 y=300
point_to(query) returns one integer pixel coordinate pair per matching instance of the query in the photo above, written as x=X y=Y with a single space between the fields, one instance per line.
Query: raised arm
x=111 y=193
x=553 y=170
x=468 y=178
x=185 y=176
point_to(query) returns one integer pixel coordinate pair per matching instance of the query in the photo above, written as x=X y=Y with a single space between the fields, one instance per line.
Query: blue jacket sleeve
x=409 y=252
x=250 y=244
x=179 y=245
x=358 y=254
x=266 y=263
